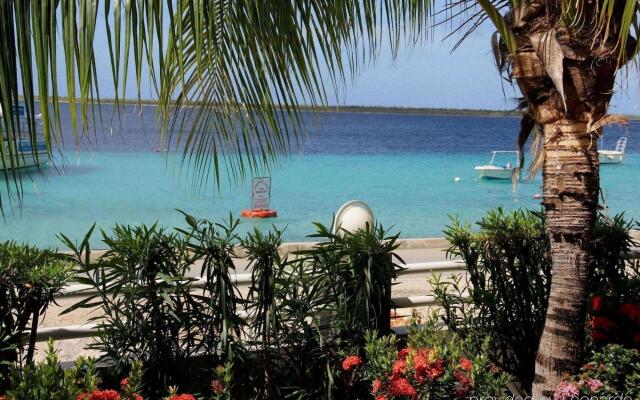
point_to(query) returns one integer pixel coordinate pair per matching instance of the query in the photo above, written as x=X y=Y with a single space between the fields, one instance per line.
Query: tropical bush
x=284 y=338
x=432 y=365
x=29 y=279
x=359 y=268
x=47 y=380
x=213 y=244
x=147 y=312
x=505 y=293
x=613 y=372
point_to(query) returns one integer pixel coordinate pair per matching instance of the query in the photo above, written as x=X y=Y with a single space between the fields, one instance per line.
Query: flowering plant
x=615 y=321
x=129 y=388
x=431 y=366
x=614 y=371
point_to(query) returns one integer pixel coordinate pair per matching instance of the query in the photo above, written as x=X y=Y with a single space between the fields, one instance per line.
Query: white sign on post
x=261 y=191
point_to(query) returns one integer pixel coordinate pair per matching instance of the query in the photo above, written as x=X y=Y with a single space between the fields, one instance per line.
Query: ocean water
x=403 y=166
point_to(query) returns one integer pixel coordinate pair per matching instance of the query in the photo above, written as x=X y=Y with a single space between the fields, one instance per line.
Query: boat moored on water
x=25 y=153
x=495 y=171
x=613 y=156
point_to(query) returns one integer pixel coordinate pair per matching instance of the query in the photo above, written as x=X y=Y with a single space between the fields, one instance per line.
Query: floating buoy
x=259 y=213
x=537 y=196
x=457 y=179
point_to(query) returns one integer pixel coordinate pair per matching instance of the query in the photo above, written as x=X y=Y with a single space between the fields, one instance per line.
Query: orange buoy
x=259 y=213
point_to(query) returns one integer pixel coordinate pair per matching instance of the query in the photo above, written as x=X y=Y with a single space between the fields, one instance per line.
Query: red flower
x=351 y=362
x=631 y=311
x=463 y=381
x=217 y=387
x=435 y=370
x=124 y=383
x=99 y=395
x=596 y=303
x=182 y=397
x=402 y=354
x=3 y=397
x=599 y=336
x=401 y=387
x=376 y=386
x=381 y=397
x=466 y=364
x=398 y=367
x=602 y=323
x=426 y=365
x=136 y=396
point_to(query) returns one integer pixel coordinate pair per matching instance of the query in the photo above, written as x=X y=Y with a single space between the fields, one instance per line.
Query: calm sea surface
x=402 y=165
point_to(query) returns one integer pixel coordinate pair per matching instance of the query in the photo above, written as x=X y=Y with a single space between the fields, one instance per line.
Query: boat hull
x=610 y=157
x=492 y=172
x=26 y=157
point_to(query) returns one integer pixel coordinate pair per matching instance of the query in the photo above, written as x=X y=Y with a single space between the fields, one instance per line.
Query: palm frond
x=230 y=75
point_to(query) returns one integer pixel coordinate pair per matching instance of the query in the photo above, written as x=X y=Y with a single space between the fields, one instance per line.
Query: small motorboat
x=613 y=156
x=25 y=152
x=495 y=171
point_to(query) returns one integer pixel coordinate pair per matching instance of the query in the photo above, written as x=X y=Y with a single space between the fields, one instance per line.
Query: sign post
x=260 y=193
x=260 y=199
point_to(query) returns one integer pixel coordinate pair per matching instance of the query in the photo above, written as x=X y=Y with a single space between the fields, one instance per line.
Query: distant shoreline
x=419 y=111
x=468 y=112
x=365 y=109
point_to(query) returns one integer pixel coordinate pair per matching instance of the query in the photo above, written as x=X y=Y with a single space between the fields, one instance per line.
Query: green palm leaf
x=230 y=75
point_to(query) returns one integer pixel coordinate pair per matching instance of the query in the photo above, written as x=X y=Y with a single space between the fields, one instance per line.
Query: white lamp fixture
x=353 y=216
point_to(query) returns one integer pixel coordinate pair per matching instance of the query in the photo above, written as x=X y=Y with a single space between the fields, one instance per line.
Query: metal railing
x=244 y=279
x=89 y=330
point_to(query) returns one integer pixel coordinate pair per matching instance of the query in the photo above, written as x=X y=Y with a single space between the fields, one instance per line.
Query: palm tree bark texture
x=566 y=73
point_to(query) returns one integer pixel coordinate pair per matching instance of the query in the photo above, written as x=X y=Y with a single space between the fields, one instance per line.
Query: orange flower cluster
x=100 y=395
x=416 y=367
x=351 y=362
x=182 y=397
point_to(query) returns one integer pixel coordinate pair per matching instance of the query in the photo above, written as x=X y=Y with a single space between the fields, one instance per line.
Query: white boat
x=494 y=171
x=613 y=156
x=25 y=154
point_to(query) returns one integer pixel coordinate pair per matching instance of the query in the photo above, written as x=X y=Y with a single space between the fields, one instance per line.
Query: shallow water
x=402 y=165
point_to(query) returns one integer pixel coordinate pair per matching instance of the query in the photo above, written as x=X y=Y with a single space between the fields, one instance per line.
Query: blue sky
x=429 y=75
x=433 y=76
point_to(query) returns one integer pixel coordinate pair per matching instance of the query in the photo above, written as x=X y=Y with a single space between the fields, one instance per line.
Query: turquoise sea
x=402 y=165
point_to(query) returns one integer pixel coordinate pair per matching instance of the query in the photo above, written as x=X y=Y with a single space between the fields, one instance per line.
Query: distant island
x=421 y=111
x=478 y=112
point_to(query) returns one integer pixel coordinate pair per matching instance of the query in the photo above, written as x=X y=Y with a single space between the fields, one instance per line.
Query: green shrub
x=505 y=292
x=220 y=325
x=359 y=268
x=285 y=301
x=283 y=347
x=613 y=372
x=29 y=280
x=265 y=315
x=611 y=274
x=48 y=381
x=147 y=310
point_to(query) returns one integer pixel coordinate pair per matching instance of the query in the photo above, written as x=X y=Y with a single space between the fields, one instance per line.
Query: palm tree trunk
x=571 y=188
